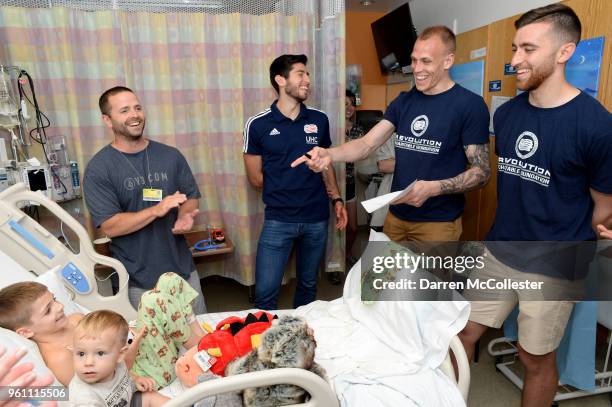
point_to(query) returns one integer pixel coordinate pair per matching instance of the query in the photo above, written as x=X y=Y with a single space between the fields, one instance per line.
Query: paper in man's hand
x=376 y=203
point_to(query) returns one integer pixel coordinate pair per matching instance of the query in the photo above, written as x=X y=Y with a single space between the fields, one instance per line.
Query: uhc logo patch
x=311 y=128
x=312 y=140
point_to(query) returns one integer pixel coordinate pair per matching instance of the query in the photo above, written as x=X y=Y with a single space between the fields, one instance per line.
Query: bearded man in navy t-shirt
x=554 y=184
x=441 y=139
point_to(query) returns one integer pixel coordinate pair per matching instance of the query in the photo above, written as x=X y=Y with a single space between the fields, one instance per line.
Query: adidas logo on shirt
x=274 y=132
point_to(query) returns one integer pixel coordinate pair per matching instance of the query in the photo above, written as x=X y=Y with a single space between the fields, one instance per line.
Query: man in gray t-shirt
x=143 y=195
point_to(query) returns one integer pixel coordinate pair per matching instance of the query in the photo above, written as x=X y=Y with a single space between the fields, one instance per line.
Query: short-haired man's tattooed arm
x=475 y=177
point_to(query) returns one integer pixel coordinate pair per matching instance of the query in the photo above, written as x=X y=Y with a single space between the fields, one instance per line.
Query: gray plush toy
x=289 y=342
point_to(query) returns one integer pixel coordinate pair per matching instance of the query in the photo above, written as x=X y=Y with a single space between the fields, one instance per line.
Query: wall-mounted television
x=394 y=36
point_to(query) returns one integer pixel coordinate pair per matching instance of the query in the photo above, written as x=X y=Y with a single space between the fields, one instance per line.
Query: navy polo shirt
x=290 y=194
x=431 y=131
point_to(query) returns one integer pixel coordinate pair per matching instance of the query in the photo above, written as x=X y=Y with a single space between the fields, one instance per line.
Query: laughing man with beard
x=143 y=195
x=297 y=203
x=554 y=148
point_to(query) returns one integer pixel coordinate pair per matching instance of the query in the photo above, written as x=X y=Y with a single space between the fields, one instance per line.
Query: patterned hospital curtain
x=331 y=84
x=199 y=77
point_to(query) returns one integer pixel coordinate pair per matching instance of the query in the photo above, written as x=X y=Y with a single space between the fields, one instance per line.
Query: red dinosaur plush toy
x=234 y=337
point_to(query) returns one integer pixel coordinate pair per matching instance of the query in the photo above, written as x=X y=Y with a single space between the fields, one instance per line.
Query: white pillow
x=11 y=341
x=51 y=278
x=54 y=282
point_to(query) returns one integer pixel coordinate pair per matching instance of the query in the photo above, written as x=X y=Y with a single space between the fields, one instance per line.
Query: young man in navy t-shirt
x=554 y=148
x=297 y=203
x=441 y=129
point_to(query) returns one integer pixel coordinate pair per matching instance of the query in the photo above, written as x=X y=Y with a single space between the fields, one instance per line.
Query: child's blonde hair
x=16 y=302
x=94 y=323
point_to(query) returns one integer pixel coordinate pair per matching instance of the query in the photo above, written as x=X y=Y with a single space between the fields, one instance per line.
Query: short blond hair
x=16 y=302
x=94 y=323
x=444 y=33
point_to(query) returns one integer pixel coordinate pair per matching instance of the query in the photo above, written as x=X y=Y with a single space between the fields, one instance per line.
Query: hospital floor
x=489 y=388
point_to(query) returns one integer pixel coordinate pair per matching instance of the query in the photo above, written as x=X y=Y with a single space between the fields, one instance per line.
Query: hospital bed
x=28 y=251
x=37 y=250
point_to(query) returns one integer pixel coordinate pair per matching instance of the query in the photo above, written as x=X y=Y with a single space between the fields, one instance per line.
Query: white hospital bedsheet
x=426 y=388
x=386 y=353
x=367 y=371
x=380 y=362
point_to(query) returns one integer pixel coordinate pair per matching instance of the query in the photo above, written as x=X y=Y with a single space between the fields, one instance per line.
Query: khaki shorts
x=541 y=323
x=401 y=230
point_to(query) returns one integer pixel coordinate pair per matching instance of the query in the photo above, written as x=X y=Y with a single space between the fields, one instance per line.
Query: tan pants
x=400 y=230
x=541 y=324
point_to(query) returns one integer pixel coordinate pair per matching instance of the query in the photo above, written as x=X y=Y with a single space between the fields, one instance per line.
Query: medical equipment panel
x=37 y=250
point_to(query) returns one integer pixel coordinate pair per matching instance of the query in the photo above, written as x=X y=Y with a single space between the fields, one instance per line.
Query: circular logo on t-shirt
x=129 y=183
x=526 y=145
x=419 y=125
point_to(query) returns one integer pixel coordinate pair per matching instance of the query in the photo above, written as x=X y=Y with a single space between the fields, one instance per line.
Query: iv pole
x=11 y=116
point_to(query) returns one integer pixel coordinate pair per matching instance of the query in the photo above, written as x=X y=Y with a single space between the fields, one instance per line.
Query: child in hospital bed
x=29 y=309
x=165 y=319
x=101 y=377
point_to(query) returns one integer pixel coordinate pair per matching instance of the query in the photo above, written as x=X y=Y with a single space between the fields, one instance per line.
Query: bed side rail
x=320 y=391
x=463 y=366
x=36 y=249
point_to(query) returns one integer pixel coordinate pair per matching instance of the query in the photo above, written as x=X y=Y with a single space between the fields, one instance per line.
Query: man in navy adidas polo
x=297 y=204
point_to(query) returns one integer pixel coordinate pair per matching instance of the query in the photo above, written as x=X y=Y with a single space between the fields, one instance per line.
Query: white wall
x=469 y=14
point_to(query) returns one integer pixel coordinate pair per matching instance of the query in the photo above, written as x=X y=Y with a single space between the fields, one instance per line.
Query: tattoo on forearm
x=475 y=177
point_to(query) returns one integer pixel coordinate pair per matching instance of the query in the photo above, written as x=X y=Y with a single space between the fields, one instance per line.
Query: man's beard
x=537 y=77
x=123 y=130
x=294 y=91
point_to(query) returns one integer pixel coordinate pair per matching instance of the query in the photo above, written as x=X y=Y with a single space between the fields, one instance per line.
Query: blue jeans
x=275 y=243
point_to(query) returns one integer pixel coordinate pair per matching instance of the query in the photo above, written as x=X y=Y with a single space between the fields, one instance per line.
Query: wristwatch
x=339 y=199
